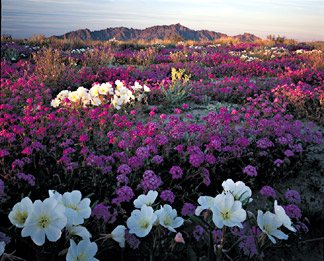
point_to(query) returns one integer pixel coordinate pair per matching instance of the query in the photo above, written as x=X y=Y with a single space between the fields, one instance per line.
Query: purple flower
x=293 y=196
x=179 y=148
x=4 y=153
x=135 y=162
x=199 y=233
x=132 y=240
x=142 y=152
x=157 y=159
x=264 y=143
x=188 y=208
x=102 y=211
x=122 y=179
x=278 y=162
x=2 y=193
x=124 y=169
x=125 y=194
x=205 y=175
x=250 y=170
x=167 y=195
x=176 y=172
x=161 y=139
x=268 y=191
x=210 y=159
x=289 y=153
x=29 y=178
x=150 y=181
x=292 y=211
x=196 y=159
x=83 y=138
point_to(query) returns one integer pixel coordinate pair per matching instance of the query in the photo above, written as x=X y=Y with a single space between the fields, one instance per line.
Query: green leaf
x=185 y=136
x=191 y=256
x=211 y=247
x=94 y=204
x=199 y=222
x=91 y=194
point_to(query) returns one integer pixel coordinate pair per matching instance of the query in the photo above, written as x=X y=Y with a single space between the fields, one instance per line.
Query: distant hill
x=161 y=32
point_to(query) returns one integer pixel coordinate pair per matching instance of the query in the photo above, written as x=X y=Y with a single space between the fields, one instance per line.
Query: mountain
x=158 y=32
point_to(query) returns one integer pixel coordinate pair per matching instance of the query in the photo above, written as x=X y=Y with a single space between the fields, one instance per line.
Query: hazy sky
x=302 y=20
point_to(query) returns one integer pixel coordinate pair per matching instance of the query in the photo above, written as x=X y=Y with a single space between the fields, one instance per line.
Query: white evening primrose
x=63 y=94
x=83 y=92
x=168 y=218
x=269 y=223
x=46 y=218
x=76 y=209
x=2 y=247
x=116 y=102
x=137 y=86
x=146 y=89
x=119 y=84
x=238 y=189
x=56 y=195
x=227 y=211
x=147 y=200
x=94 y=91
x=104 y=88
x=20 y=212
x=55 y=103
x=84 y=251
x=78 y=231
x=205 y=202
x=95 y=101
x=141 y=221
x=118 y=234
x=74 y=96
x=124 y=99
x=282 y=217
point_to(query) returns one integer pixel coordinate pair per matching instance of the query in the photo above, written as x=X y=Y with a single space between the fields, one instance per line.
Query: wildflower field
x=116 y=151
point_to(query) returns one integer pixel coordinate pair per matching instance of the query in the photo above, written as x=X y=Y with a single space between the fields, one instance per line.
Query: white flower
x=137 y=86
x=55 y=103
x=269 y=224
x=227 y=212
x=205 y=202
x=282 y=217
x=63 y=94
x=56 y=195
x=147 y=200
x=116 y=102
x=76 y=209
x=141 y=221
x=238 y=189
x=95 y=101
x=20 y=212
x=46 y=218
x=84 y=93
x=119 y=84
x=146 y=89
x=168 y=218
x=94 y=91
x=74 y=96
x=85 y=250
x=118 y=234
x=2 y=247
x=79 y=231
x=105 y=88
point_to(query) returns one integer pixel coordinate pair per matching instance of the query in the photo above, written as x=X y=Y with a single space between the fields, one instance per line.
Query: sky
x=301 y=20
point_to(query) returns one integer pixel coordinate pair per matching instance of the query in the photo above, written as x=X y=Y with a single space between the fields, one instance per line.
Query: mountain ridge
x=157 y=32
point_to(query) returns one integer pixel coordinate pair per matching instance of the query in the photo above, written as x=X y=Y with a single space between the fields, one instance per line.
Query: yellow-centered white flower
x=205 y=202
x=147 y=200
x=168 y=218
x=227 y=211
x=55 y=103
x=238 y=189
x=19 y=214
x=94 y=91
x=269 y=224
x=84 y=250
x=46 y=218
x=141 y=221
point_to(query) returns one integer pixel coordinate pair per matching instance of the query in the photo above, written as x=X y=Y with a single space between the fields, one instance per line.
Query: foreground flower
x=46 y=218
x=147 y=200
x=76 y=209
x=269 y=224
x=20 y=212
x=238 y=189
x=141 y=221
x=118 y=234
x=85 y=250
x=227 y=212
x=2 y=247
x=282 y=217
x=168 y=218
x=205 y=202
x=79 y=231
